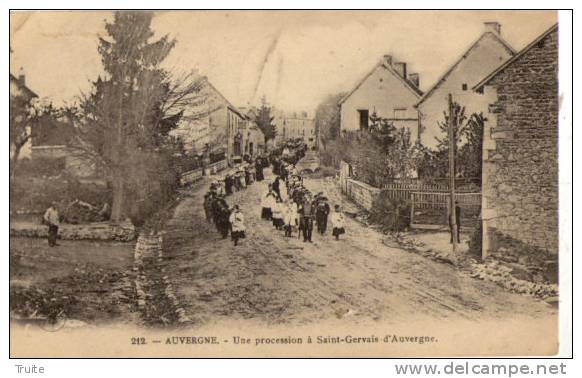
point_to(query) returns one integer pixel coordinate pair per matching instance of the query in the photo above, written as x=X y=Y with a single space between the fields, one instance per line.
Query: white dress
x=269 y=202
x=337 y=220
x=277 y=210
x=291 y=215
x=237 y=220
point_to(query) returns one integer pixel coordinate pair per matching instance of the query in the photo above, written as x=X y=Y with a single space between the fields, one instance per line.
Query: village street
x=273 y=279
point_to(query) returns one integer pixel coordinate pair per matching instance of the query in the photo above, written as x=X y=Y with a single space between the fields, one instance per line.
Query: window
x=464 y=86
x=400 y=113
x=364 y=117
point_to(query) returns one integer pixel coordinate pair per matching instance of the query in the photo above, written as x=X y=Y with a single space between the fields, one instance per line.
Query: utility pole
x=452 y=212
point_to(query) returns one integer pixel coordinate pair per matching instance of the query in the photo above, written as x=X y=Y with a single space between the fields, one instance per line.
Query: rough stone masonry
x=520 y=151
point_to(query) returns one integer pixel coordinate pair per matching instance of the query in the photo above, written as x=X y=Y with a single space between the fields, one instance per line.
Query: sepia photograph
x=299 y=183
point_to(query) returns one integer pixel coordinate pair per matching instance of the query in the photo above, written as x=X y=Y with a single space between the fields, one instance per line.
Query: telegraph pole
x=453 y=209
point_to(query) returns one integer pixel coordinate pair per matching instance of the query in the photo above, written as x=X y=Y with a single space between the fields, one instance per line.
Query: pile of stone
x=78 y=212
x=507 y=272
x=505 y=276
x=150 y=287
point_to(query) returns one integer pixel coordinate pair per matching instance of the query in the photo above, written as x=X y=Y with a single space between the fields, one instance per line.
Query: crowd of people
x=288 y=204
x=291 y=207
x=231 y=219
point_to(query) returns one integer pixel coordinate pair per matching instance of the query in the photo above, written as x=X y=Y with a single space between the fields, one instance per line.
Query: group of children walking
x=297 y=212
x=300 y=210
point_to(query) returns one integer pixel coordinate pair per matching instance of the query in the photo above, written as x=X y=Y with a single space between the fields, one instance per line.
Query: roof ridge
x=515 y=57
x=390 y=69
x=457 y=61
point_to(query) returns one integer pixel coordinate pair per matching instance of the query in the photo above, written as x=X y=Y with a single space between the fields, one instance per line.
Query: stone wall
x=520 y=152
x=191 y=177
x=362 y=193
x=89 y=231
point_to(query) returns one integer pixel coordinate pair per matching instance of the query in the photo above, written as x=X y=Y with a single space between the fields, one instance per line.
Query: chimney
x=414 y=79
x=388 y=60
x=400 y=68
x=493 y=27
x=21 y=76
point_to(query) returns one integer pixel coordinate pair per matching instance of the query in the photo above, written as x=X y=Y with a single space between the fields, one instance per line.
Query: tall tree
x=471 y=153
x=468 y=144
x=264 y=121
x=459 y=121
x=126 y=118
x=327 y=119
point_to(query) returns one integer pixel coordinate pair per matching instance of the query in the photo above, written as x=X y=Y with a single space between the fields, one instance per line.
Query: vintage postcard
x=284 y=183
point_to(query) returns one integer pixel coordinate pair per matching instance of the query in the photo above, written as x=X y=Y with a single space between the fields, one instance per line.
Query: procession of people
x=228 y=219
x=287 y=204
x=293 y=208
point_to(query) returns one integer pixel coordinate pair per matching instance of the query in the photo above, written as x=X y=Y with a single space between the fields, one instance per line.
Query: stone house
x=53 y=140
x=214 y=122
x=482 y=57
x=253 y=138
x=520 y=150
x=389 y=91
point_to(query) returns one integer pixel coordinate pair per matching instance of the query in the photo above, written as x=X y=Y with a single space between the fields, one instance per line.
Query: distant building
x=279 y=122
x=390 y=92
x=18 y=88
x=214 y=122
x=484 y=55
x=520 y=149
x=53 y=139
x=299 y=126
x=253 y=138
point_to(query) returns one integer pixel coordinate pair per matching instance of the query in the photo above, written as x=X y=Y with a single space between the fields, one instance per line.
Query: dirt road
x=275 y=280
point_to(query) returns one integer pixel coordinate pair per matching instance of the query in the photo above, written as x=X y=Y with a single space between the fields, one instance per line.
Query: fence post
x=411 y=208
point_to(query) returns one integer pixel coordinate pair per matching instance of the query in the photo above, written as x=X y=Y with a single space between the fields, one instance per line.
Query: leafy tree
x=459 y=120
x=21 y=118
x=468 y=144
x=264 y=121
x=26 y=115
x=403 y=156
x=383 y=130
x=471 y=153
x=327 y=119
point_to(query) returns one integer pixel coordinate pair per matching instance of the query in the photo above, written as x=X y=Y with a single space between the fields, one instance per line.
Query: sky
x=294 y=58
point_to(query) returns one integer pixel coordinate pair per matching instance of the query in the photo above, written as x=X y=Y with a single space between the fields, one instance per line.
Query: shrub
x=323 y=172
x=36 y=194
x=40 y=167
x=392 y=214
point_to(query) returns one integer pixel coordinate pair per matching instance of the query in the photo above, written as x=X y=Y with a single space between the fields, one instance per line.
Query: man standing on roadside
x=51 y=218
x=322 y=210
x=306 y=212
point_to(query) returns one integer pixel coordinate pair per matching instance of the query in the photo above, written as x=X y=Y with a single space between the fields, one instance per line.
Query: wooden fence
x=423 y=200
x=404 y=191
x=431 y=208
